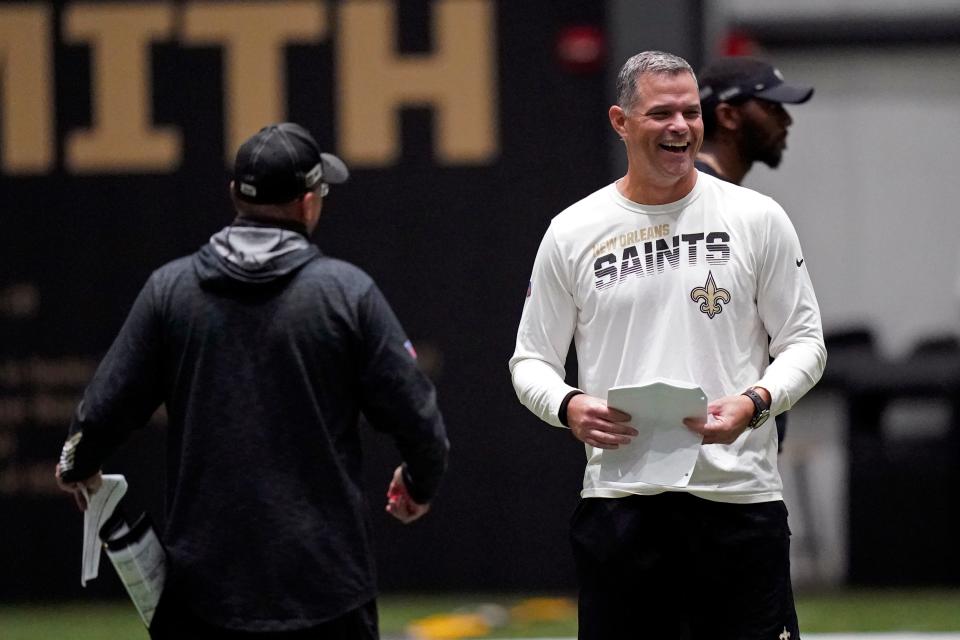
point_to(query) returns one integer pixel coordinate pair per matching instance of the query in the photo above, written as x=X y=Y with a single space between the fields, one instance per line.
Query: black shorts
x=677 y=567
x=174 y=620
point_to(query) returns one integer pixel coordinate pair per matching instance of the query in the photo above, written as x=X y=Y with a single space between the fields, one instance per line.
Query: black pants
x=676 y=567
x=175 y=621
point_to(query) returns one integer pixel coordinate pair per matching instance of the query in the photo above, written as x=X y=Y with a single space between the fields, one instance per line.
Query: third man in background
x=744 y=121
x=743 y=116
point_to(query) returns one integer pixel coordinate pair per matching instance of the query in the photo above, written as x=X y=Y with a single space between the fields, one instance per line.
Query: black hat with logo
x=280 y=163
x=736 y=79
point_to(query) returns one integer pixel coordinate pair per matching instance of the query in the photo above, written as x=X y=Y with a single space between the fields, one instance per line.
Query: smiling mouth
x=675 y=147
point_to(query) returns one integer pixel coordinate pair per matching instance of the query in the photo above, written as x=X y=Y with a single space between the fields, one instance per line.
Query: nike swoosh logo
x=799 y=262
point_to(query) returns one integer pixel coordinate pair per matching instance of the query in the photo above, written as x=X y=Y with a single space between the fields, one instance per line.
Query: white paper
x=665 y=451
x=100 y=506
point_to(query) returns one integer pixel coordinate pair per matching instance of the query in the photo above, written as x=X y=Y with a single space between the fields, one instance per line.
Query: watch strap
x=760 y=408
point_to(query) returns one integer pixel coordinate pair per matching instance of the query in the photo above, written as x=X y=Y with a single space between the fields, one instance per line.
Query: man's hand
x=726 y=419
x=399 y=503
x=596 y=424
x=90 y=484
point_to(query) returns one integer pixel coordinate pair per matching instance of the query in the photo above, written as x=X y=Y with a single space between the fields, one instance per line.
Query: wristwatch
x=761 y=410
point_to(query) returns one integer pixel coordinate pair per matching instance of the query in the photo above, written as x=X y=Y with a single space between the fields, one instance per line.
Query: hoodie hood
x=247 y=255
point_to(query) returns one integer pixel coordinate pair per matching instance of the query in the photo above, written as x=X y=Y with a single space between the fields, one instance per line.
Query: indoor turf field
x=896 y=614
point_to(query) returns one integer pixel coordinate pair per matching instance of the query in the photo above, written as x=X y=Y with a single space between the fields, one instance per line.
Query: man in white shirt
x=671 y=273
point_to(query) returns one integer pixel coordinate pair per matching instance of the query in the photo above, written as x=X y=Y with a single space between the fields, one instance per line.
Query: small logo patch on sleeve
x=409 y=347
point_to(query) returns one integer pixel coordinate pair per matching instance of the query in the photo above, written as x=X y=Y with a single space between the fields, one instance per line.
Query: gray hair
x=646 y=62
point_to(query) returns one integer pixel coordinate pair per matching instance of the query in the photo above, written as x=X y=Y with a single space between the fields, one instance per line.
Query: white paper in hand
x=100 y=507
x=665 y=451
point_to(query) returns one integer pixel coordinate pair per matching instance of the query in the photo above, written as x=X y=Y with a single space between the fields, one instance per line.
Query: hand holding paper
x=593 y=422
x=726 y=419
x=80 y=490
x=664 y=451
x=100 y=506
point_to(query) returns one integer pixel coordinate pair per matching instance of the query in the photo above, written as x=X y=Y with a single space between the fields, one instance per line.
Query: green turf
x=75 y=621
x=839 y=611
x=835 y=611
x=880 y=610
x=398 y=611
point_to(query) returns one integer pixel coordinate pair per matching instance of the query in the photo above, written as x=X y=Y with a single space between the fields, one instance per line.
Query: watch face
x=761 y=418
x=761 y=409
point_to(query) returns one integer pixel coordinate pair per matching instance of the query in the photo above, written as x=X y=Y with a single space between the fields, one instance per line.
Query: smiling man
x=672 y=273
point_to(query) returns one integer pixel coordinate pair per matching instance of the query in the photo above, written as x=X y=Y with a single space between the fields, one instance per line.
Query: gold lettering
x=48 y=408
x=26 y=84
x=253 y=36
x=631 y=238
x=8 y=444
x=457 y=81
x=62 y=372
x=604 y=246
x=71 y=371
x=34 y=479
x=21 y=300
x=121 y=137
x=13 y=411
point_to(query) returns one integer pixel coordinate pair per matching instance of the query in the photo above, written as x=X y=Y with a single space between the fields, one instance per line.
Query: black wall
x=451 y=246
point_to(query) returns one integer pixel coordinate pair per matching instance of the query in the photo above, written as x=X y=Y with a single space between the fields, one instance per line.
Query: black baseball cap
x=738 y=78
x=280 y=163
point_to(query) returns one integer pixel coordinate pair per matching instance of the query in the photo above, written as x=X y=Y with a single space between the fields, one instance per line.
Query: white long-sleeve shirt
x=702 y=290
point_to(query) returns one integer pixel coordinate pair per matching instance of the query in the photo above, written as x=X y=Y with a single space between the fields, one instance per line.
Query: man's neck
x=641 y=190
x=270 y=221
x=725 y=160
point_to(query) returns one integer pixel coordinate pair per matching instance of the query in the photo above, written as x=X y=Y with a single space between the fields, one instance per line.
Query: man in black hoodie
x=265 y=352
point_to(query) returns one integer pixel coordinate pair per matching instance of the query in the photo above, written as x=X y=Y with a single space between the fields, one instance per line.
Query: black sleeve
x=125 y=391
x=399 y=399
x=562 y=412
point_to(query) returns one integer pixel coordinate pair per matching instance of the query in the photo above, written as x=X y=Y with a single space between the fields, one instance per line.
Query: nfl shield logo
x=409 y=347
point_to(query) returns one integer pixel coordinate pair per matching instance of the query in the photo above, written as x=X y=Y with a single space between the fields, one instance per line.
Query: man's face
x=663 y=129
x=764 y=130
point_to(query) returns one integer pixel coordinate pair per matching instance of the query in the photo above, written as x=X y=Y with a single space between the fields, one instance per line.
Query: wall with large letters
x=465 y=134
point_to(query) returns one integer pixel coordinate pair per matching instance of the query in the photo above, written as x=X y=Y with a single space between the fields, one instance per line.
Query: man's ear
x=233 y=195
x=311 y=205
x=728 y=116
x=618 y=120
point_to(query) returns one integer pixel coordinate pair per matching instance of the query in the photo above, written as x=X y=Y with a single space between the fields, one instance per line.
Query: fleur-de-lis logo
x=711 y=296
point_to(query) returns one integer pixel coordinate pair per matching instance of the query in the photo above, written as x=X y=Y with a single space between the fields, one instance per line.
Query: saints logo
x=711 y=296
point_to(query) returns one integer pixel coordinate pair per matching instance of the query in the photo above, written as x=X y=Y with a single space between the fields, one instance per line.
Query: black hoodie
x=265 y=352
